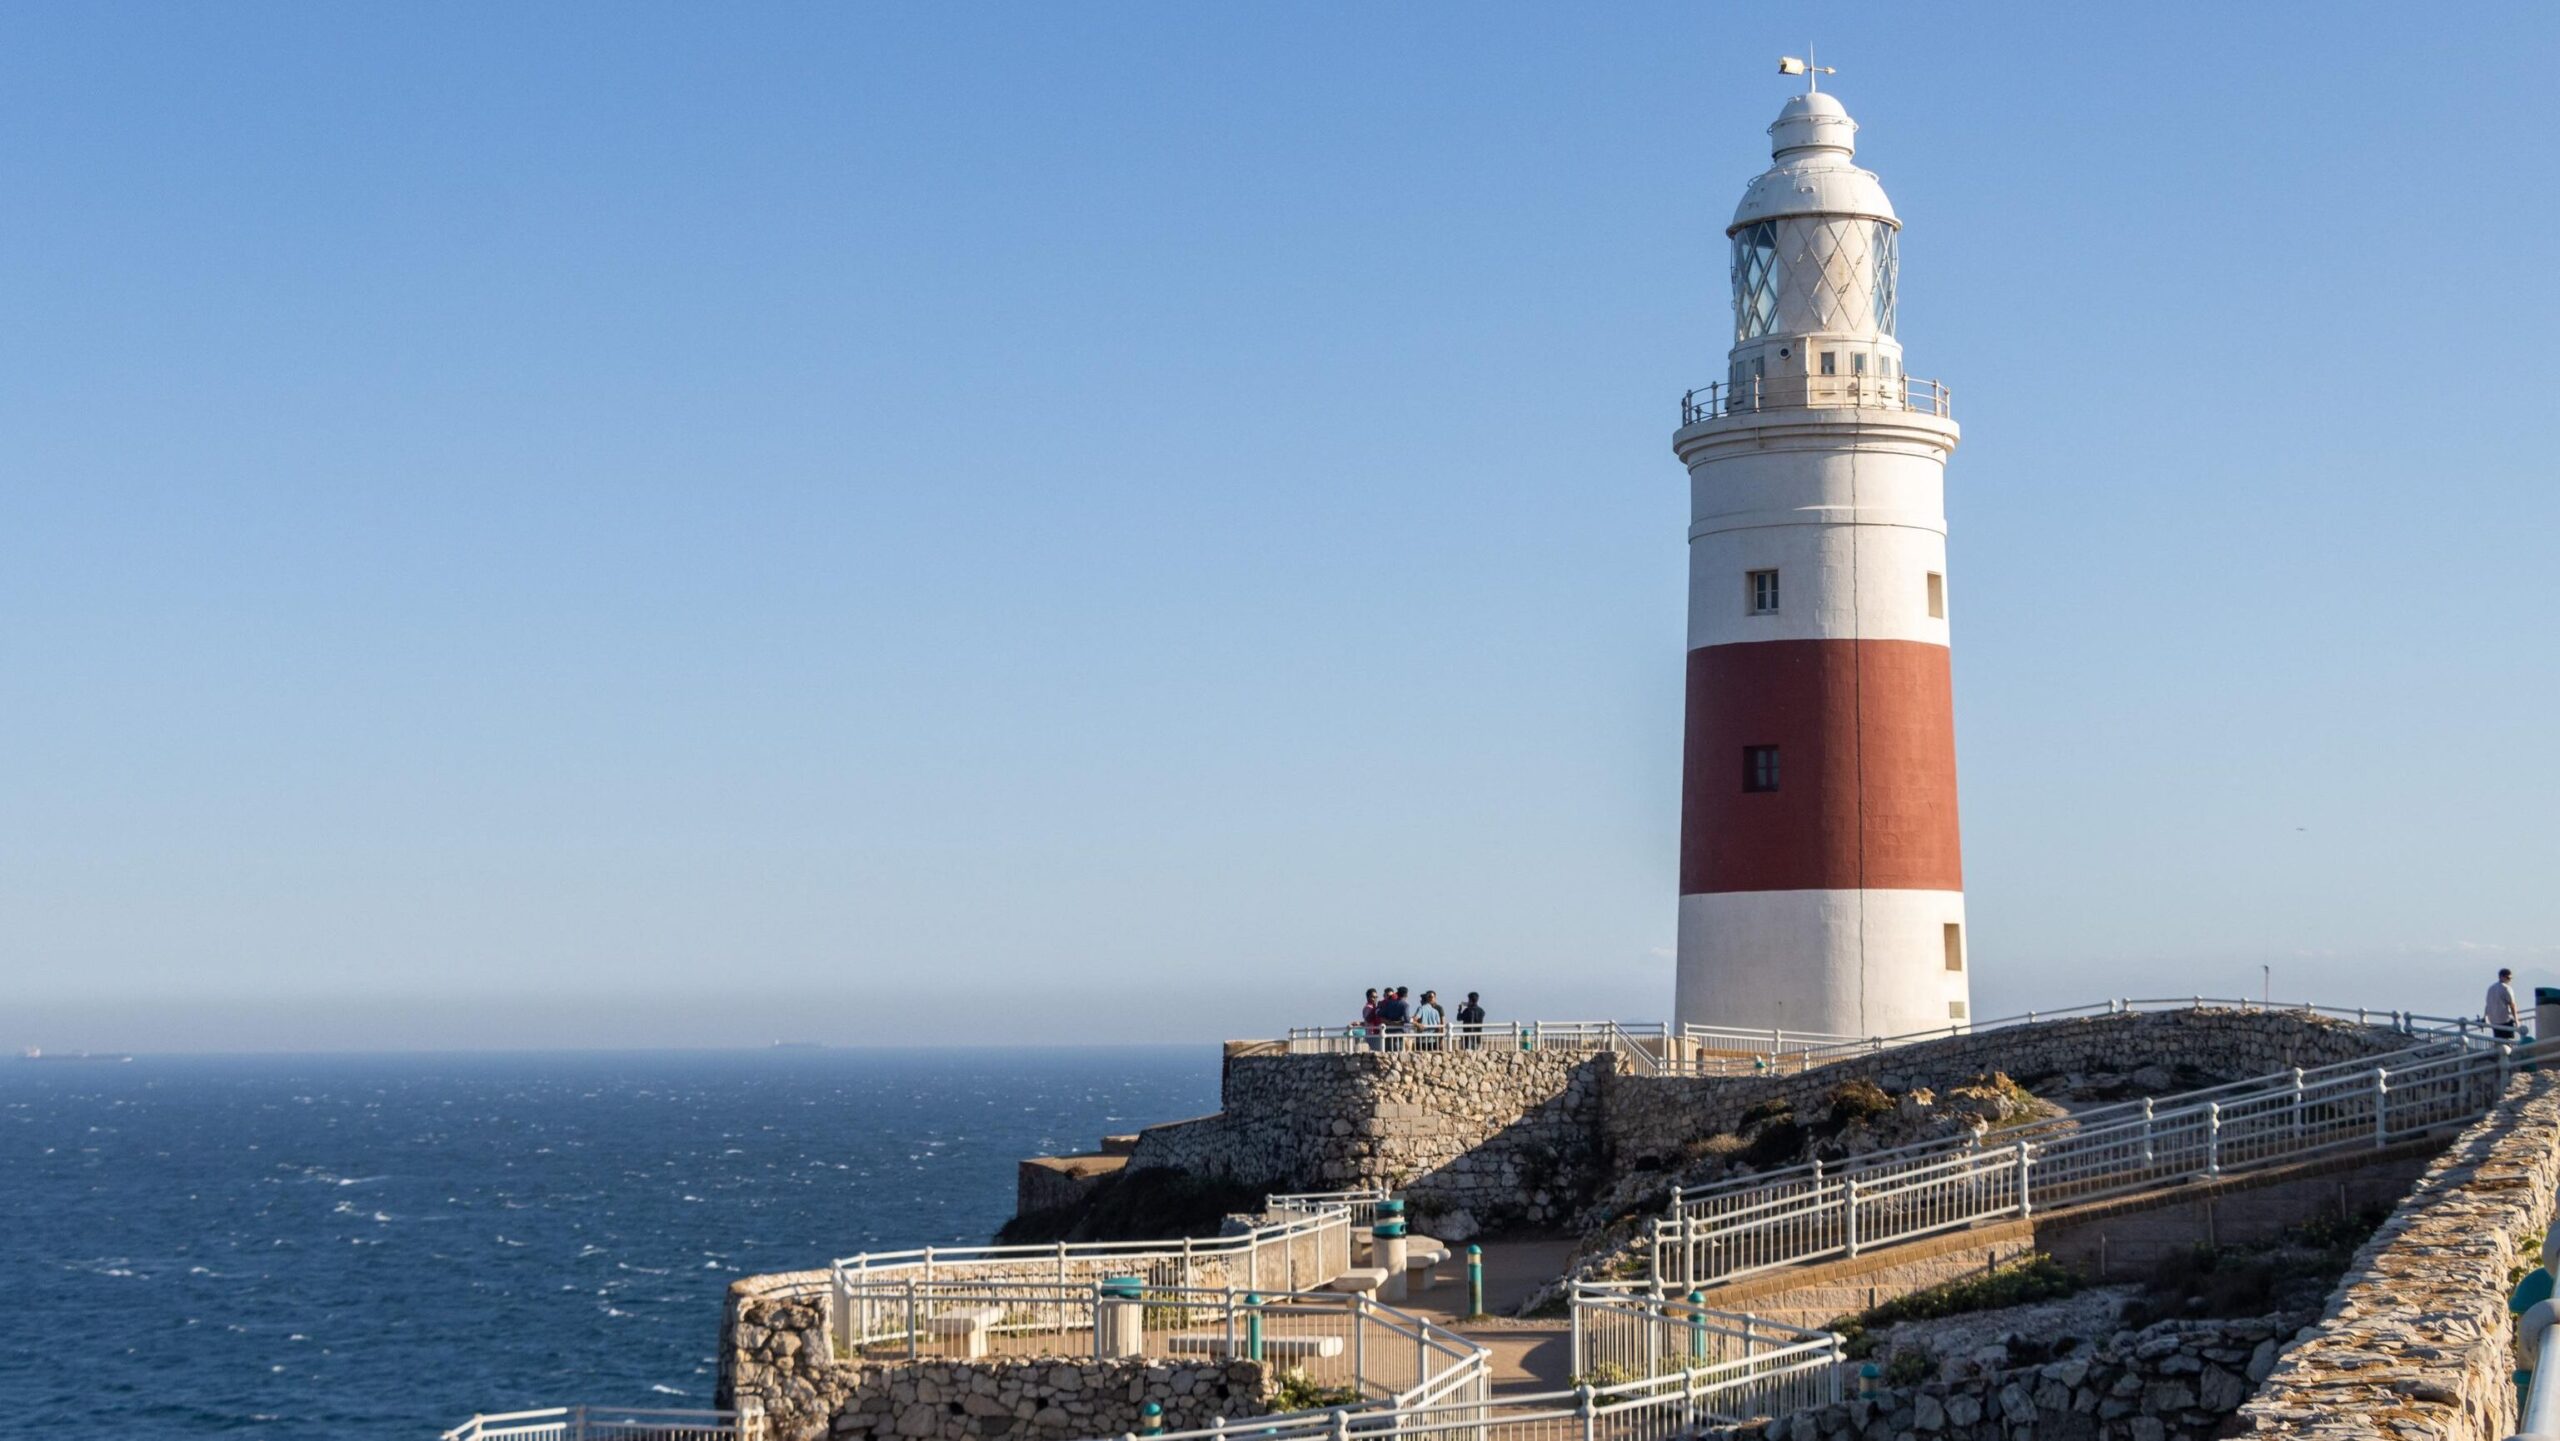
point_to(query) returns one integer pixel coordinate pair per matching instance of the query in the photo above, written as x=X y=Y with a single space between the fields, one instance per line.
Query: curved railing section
x=603 y=1423
x=881 y=1298
x=1646 y=1367
x=1816 y=392
x=1806 y=1215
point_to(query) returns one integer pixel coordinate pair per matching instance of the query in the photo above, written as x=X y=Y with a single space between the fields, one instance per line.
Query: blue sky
x=646 y=525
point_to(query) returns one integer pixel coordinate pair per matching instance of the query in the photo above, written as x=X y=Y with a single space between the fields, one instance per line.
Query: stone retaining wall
x=2173 y=1381
x=1504 y=1138
x=774 y=1355
x=1654 y=1117
x=1047 y=1400
x=2415 y=1343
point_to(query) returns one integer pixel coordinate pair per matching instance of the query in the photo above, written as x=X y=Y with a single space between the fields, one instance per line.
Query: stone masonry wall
x=1655 y=1116
x=2414 y=1345
x=1506 y=1136
x=1055 y=1400
x=1500 y=1138
x=2173 y=1381
x=774 y=1356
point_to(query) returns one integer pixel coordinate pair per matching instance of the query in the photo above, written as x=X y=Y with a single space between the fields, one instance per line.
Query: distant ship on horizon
x=799 y=1045
x=37 y=1053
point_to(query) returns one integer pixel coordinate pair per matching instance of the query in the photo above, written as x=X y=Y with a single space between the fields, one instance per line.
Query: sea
x=381 y=1246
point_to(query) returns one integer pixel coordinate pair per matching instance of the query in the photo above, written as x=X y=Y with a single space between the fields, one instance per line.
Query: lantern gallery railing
x=1815 y=392
x=2270 y=1121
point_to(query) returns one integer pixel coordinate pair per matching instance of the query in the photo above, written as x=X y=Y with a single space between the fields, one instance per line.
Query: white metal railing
x=1816 y=392
x=1771 y=1379
x=2273 y=1120
x=1349 y=1342
x=1729 y=1050
x=1485 y=1036
x=600 y=1423
x=1361 y=1203
x=1705 y=1203
x=1293 y=1252
x=1624 y=1333
x=2537 y=1347
x=1660 y=1048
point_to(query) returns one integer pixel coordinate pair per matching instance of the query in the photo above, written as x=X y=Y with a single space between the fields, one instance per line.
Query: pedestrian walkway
x=1527 y=1356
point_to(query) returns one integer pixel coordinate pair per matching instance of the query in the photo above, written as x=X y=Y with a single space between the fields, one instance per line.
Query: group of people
x=1392 y=1021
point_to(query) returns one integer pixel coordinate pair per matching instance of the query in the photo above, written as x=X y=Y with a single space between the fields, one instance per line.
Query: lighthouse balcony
x=1816 y=392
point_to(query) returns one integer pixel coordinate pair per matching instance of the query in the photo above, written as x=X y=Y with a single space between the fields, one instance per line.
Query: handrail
x=1698 y=1197
x=2274 y=1120
x=1705 y=1050
x=1815 y=392
x=607 y=1423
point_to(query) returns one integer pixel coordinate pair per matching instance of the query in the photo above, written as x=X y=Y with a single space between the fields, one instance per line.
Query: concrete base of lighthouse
x=1845 y=963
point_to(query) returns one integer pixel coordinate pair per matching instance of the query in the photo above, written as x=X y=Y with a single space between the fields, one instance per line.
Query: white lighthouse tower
x=1821 y=880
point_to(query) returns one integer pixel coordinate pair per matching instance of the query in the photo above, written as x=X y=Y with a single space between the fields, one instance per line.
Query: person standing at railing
x=2500 y=1009
x=1471 y=1022
x=1430 y=1023
x=1369 y=1017
x=1393 y=1012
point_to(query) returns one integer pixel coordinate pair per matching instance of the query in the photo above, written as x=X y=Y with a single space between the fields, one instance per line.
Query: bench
x=1273 y=1347
x=1424 y=1262
x=969 y=1323
x=1359 y=1279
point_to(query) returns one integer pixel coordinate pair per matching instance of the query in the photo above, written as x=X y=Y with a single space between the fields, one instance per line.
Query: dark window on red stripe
x=1759 y=768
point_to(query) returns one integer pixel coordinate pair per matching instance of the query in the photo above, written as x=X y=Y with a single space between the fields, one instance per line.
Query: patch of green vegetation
x=1909 y=1367
x=1137 y=1206
x=1778 y=1143
x=1295 y=1390
x=2037 y=1278
x=1606 y=1373
x=1774 y=1109
x=1855 y=1102
x=2220 y=1281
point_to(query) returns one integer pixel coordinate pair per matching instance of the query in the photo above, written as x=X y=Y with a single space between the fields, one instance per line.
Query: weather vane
x=1812 y=73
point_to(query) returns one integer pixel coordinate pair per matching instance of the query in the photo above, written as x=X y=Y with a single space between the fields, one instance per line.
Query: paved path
x=1527 y=1355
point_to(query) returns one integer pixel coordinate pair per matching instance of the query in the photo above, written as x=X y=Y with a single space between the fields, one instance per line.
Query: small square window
x=1955 y=946
x=1764 y=592
x=1937 y=596
x=1955 y=1010
x=1830 y=363
x=1759 y=768
x=1858 y=363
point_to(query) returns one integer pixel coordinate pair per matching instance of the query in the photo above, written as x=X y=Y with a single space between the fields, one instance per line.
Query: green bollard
x=1252 y=1325
x=1475 y=1280
x=1698 y=1328
x=1153 y=1422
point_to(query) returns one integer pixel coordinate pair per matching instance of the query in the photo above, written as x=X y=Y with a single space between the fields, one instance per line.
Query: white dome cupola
x=1816 y=255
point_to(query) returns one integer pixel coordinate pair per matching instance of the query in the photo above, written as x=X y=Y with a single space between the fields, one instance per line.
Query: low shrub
x=1295 y=1390
x=2037 y=1278
x=1853 y=1102
x=1137 y=1206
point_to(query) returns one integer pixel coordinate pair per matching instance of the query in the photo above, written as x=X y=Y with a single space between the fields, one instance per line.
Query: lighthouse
x=1821 y=880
